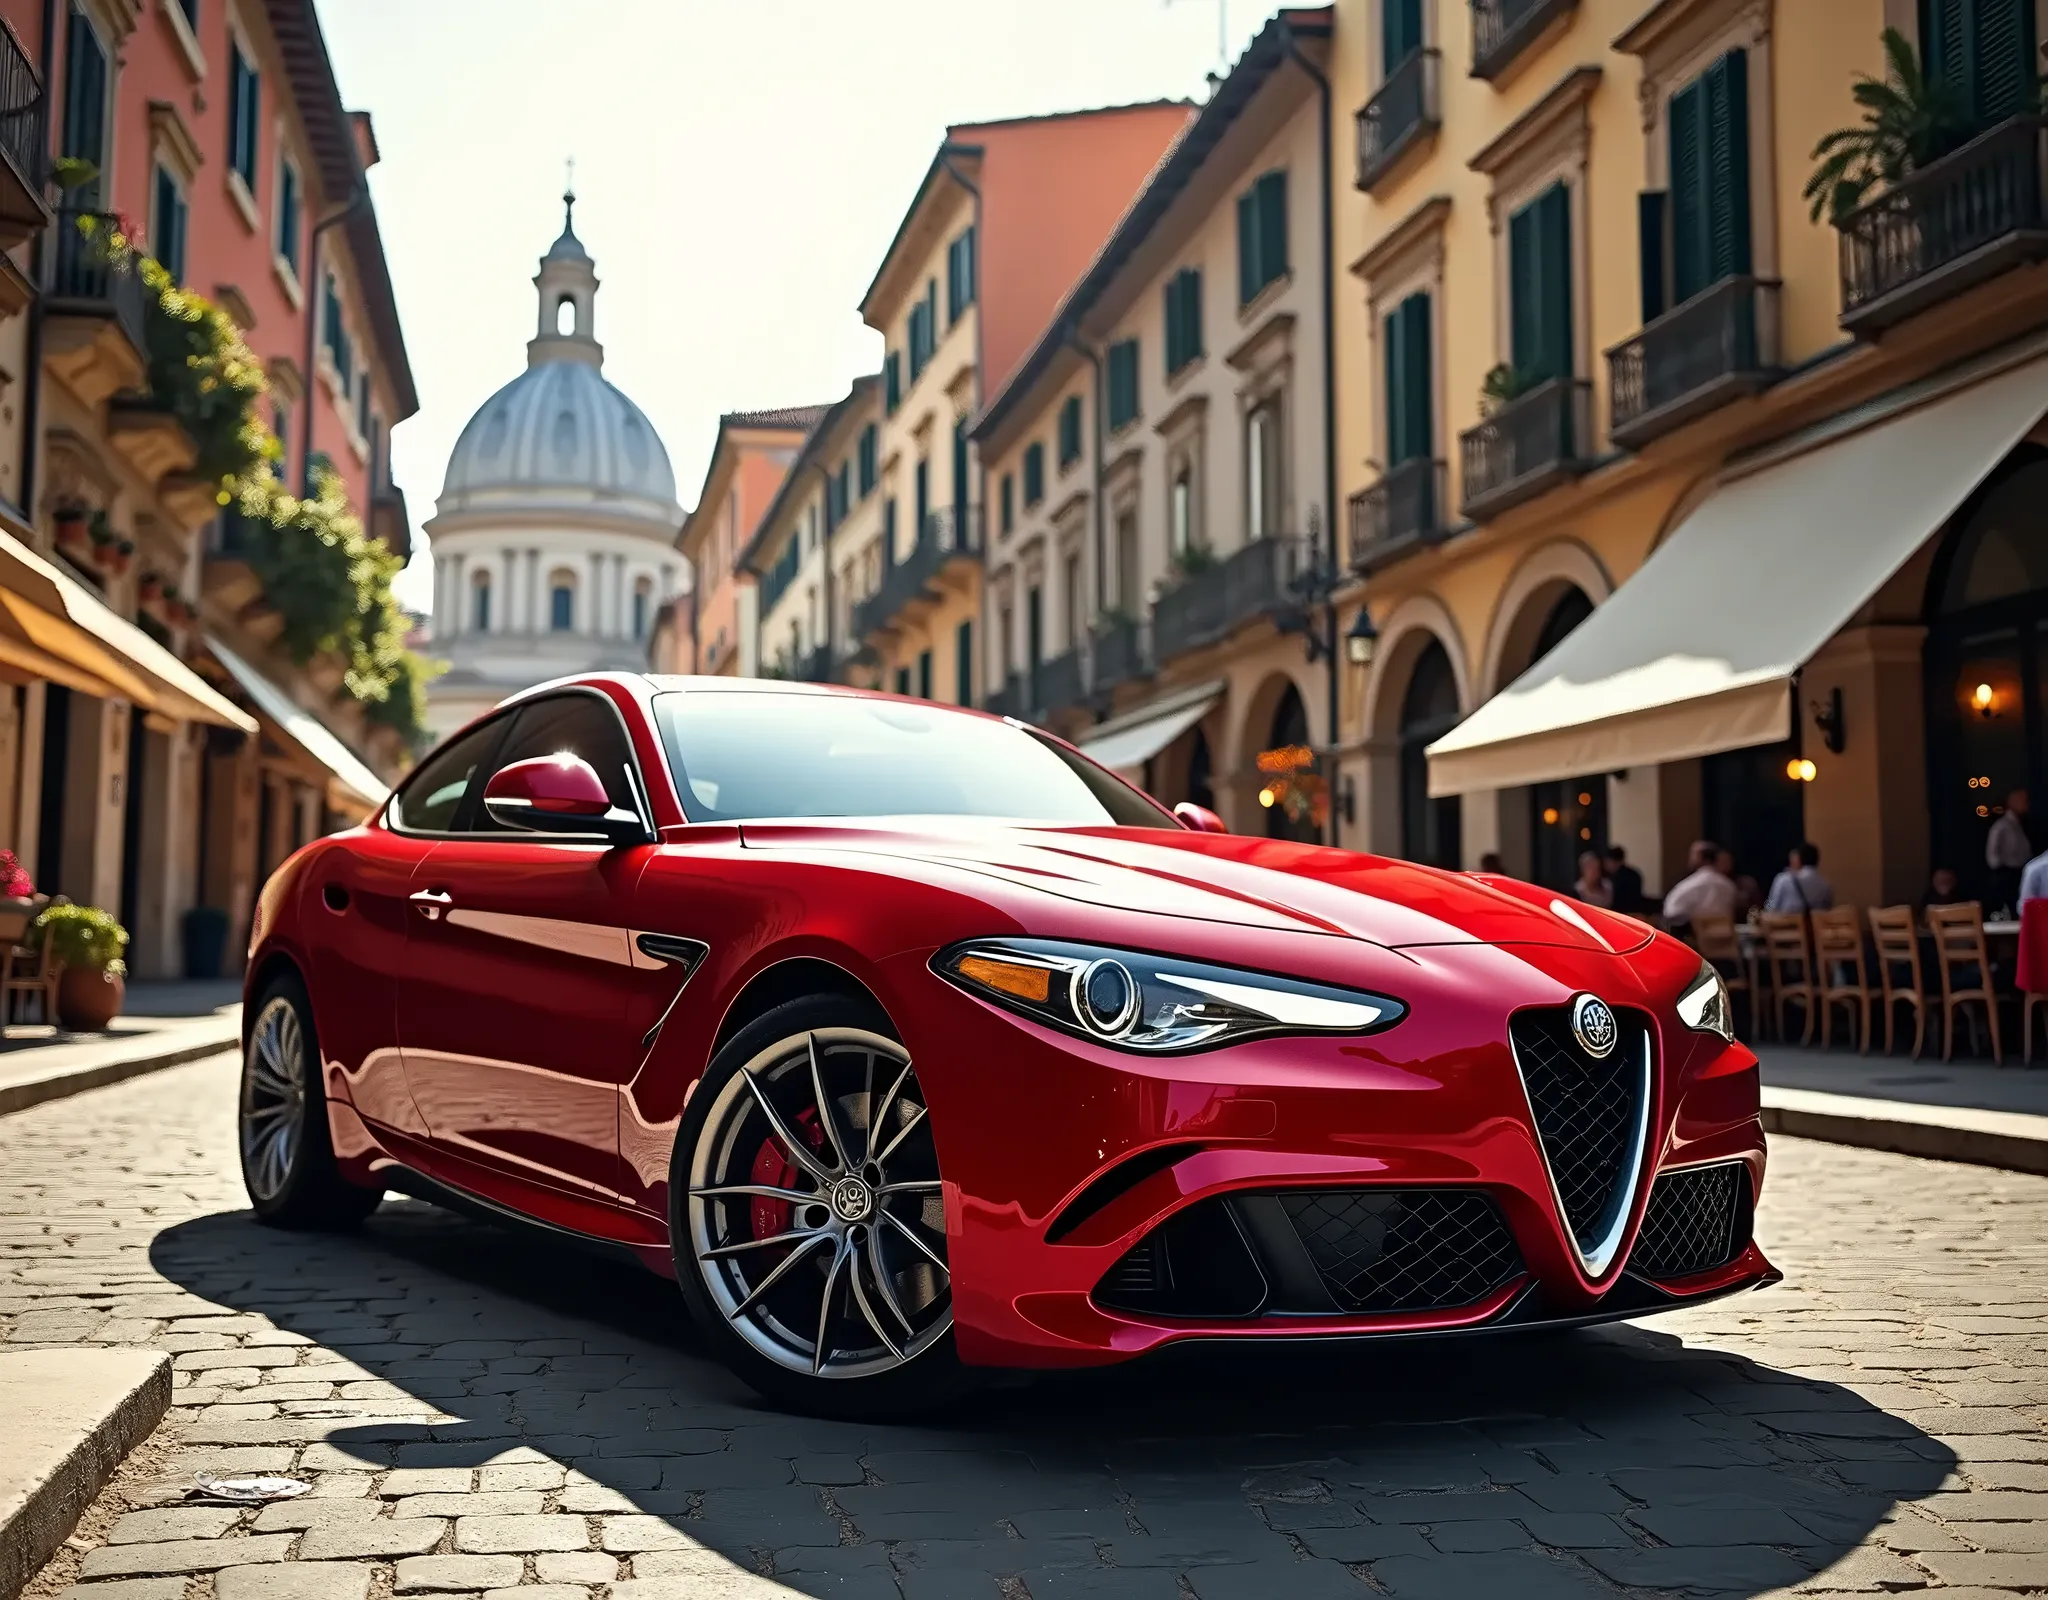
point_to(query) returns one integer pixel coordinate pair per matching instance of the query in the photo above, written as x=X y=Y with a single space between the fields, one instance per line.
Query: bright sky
x=740 y=167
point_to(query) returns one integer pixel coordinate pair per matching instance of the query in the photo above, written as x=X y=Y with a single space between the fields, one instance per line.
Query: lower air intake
x=1698 y=1219
x=1385 y=1250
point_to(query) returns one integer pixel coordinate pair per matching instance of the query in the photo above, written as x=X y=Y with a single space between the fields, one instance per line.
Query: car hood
x=1259 y=883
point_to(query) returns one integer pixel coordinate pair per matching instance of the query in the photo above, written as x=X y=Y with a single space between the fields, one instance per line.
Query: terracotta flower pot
x=88 y=999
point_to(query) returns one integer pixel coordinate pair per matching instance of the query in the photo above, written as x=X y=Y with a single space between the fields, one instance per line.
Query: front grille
x=1587 y=1111
x=1386 y=1250
x=1697 y=1219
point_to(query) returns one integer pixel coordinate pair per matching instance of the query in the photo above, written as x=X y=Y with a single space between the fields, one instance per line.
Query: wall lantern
x=1361 y=639
x=1827 y=717
x=1984 y=700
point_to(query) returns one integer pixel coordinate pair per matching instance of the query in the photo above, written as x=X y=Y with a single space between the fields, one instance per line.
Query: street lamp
x=1361 y=639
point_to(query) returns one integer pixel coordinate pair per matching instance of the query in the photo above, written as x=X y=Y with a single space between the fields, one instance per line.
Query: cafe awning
x=1125 y=743
x=62 y=619
x=351 y=784
x=1695 y=654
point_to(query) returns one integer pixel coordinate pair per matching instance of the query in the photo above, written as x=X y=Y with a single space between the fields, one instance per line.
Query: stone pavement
x=161 y=1024
x=484 y=1413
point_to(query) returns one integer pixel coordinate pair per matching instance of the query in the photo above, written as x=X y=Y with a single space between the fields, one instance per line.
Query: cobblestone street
x=483 y=1413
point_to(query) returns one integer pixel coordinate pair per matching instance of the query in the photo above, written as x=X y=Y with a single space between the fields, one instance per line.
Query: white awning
x=1694 y=654
x=1125 y=743
x=357 y=783
x=173 y=688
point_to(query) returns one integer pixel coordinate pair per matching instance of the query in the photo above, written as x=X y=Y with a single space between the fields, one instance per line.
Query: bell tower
x=567 y=284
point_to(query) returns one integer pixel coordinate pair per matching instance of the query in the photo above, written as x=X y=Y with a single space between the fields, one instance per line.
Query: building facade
x=1158 y=465
x=176 y=748
x=554 y=537
x=1006 y=218
x=800 y=554
x=1680 y=510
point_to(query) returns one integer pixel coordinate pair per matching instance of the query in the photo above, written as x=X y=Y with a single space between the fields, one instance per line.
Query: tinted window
x=738 y=755
x=432 y=796
x=582 y=725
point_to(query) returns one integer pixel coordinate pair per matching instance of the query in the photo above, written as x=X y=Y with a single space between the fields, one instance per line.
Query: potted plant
x=1909 y=120
x=1504 y=385
x=73 y=529
x=17 y=899
x=89 y=942
x=1194 y=559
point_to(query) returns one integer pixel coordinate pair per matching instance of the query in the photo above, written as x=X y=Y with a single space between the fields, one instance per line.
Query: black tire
x=932 y=1375
x=282 y=1135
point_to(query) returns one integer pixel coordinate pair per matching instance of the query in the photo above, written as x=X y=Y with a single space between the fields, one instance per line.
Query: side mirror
x=558 y=794
x=1198 y=818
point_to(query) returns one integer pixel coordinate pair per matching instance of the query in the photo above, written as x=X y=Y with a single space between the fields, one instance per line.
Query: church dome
x=560 y=425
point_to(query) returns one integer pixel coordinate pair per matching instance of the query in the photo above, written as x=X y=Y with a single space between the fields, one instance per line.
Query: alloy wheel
x=815 y=1212
x=273 y=1112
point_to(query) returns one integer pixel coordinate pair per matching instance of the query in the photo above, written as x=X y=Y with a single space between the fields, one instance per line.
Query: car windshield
x=741 y=755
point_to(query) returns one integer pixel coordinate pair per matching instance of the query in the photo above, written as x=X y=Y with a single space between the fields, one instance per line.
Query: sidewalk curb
x=61 y=1082
x=2014 y=1141
x=74 y=1414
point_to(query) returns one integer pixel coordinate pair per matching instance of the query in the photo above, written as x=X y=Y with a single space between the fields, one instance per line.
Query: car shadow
x=1533 y=1464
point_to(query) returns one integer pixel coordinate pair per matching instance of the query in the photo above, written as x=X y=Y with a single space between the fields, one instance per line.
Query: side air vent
x=1699 y=1218
x=1114 y=1184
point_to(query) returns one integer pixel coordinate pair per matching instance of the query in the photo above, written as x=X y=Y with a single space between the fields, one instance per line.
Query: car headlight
x=1704 y=1006
x=1154 y=1003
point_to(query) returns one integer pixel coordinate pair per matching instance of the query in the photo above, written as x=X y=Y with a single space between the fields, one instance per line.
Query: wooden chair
x=1715 y=939
x=1790 y=958
x=1843 y=975
x=1896 y=933
x=30 y=972
x=1965 y=963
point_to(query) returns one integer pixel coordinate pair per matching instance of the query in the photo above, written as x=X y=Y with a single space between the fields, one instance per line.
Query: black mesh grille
x=1696 y=1220
x=1404 y=1249
x=1585 y=1110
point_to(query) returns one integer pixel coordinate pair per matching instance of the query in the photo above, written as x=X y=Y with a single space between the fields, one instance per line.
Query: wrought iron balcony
x=1501 y=29
x=1406 y=109
x=1977 y=212
x=1119 y=654
x=86 y=281
x=23 y=106
x=1206 y=605
x=949 y=535
x=1720 y=345
x=1534 y=441
x=1405 y=506
x=1060 y=682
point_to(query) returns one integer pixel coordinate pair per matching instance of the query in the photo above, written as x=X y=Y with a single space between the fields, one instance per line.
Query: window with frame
x=1984 y=50
x=480 y=603
x=1408 y=383
x=167 y=224
x=870 y=457
x=960 y=275
x=1261 y=236
x=363 y=431
x=1262 y=470
x=288 y=207
x=340 y=349
x=1184 y=319
x=1070 y=431
x=1034 y=473
x=245 y=109
x=1123 y=384
x=1180 y=511
x=892 y=381
x=1707 y=129
x=1400 y=34
x=1540 y=288
x=562 y=606
x=1070 y=599
x=963 y=664
x=1127 y=562
x=1006 y=497
x=84 y=129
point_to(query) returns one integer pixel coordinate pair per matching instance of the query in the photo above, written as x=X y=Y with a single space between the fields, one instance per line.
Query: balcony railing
x=1973 y=214
x=85 y=282
x=1404 y=506
x=1501 y=28
x=946 y=534
x=1534 y=441
x=22 y=108
x=1207 y=605
x=1119 y=655
x=1060 y=682
x=1406 y=108
x=1720 y=344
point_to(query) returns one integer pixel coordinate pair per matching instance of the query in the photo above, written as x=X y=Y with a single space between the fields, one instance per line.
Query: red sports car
x=909 y=1042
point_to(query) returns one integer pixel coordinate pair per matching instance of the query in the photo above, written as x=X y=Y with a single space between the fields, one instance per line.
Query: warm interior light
x=1982 y=697
x=1585 y=799
x=1266 y=798
x=1009 y=977
x=1800 y=770
x=1585 y=833
x=1550 y=816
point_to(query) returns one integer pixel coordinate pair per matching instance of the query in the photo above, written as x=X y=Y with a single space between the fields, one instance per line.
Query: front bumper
x=1061 y=1158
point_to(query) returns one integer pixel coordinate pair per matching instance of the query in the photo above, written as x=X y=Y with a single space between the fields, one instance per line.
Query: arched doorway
x=1568 y=815
x=1291 y=791
x=1987 y=669
x=1431 y=830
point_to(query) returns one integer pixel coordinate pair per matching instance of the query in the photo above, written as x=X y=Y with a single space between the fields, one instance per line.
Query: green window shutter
x=1686 y=133
x=1653 y=234
x=1400 y=32
x=1415 y=309
x=1172 y=351
x=1555 y=230
x=1272 y=193
x=1247 y=247
x=903 y=681
x=1525 y=334
x=2002 y=57
x=963 y=664
x=1191 y=312
x=1540 y=286
x=1727 y=166
x=1395 y=349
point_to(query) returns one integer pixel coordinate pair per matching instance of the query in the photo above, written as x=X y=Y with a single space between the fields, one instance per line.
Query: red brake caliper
x=776 y=1171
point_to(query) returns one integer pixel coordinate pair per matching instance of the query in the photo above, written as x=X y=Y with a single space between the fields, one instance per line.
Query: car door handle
x=430 y=903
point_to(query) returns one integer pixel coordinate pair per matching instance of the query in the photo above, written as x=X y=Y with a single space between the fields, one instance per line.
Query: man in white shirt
x=1703 y=889
x=2007 y=849
x=1800 y=887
